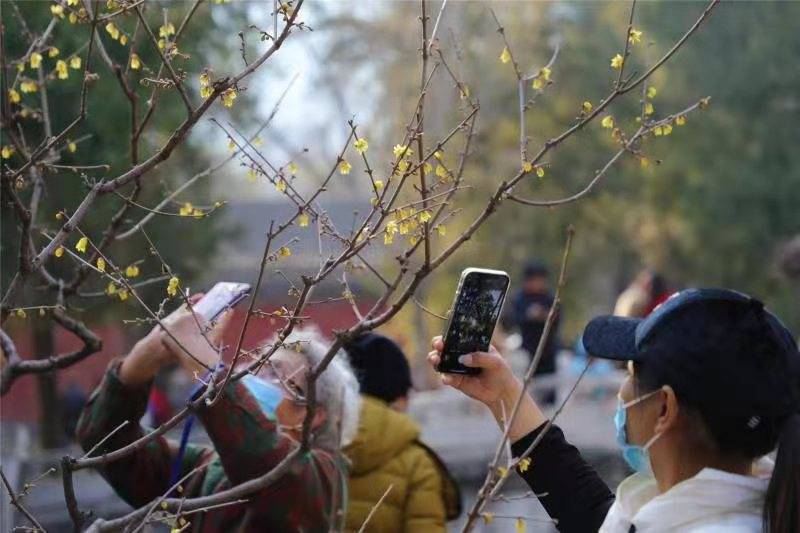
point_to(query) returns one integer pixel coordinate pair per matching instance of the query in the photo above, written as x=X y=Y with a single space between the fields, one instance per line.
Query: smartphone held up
x=473 y=316
x=222 y=296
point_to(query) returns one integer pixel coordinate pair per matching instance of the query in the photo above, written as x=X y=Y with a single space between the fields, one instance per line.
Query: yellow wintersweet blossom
x=361 y=145
x=75 y=62
x=402 y=150
x=53 y=52
x=72 y=3
x=228 y=96
x=172 y=286
x=136 y=63
x=59 y=251
x=487 y=517
x=14 y=96
x=391 y=229
x=520 y=526
x=21 y=313
x=82 y=243
x=617 y=61
x=231 y=145
x=280 y=185
x=544 y=73
x=162 y=44
x=505 y=57
x=540 y=172
x=541 y=79
x=205 y=80
x=123 y=295
x=284 y=251
x=112 y=30
x=101 y=264
x=464 y=90
x=524 y=464
x=402 y=166
x=427 y=167
x=652 y=92
x=72 y=147
x=680 y=120
x=502 y=471
x=205 y=92
x=123 y=39
x=442 y=230
x=587 y=107
x=7 y=151
x=196 y=213
x=425 y=216
x=441 y=172
x=61 y=69
x=57 y=10
x=166 y=30
x=302 y=220
x=73 y=18
x=527 y=166
x=28 y=86
x=703 y=103
x=378 y=185
x=111 y=289
x=36 y=60
x=607 y=122
x=186 y=209
x=252 y=175
x=648 y=108
x=344 y=167
x=258 y=141
x=292 y=168
x=634 y=36
x=132 y=271
x=438 y=155
x=667 y=129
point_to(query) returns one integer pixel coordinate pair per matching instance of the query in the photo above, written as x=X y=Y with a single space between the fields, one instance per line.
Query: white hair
x=337 y=388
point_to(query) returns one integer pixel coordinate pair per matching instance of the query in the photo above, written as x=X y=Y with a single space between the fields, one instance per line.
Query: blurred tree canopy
x=719 y=196
x=104 y=137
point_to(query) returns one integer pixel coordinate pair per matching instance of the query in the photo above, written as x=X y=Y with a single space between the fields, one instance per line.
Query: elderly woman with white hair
x=255 y=424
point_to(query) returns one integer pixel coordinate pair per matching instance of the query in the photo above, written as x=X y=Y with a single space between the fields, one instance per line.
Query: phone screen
x=222 y=296
x=475 y=315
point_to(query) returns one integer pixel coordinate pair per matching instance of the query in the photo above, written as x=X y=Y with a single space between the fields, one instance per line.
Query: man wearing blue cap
x=713 y=387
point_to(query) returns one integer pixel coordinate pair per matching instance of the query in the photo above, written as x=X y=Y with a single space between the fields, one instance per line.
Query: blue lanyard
x=177 y=463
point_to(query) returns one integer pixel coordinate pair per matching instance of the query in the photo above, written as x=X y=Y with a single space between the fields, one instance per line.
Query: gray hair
x=337 y=387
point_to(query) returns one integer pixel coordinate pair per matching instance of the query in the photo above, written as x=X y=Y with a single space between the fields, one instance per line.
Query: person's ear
x=669 y=410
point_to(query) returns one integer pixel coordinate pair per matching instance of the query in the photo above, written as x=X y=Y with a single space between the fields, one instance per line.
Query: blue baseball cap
x=712 y=346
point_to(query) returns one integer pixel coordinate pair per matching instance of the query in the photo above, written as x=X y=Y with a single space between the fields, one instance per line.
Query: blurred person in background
x=387 y=451
x=713 y=387
x=527 y=311
x=647 y=290
x=255 y=424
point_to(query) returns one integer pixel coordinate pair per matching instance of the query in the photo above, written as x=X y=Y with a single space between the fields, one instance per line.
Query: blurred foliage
x=713 y=211
x=186 y=243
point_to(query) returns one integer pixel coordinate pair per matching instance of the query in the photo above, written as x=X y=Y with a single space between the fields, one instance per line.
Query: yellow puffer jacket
x=386 y=452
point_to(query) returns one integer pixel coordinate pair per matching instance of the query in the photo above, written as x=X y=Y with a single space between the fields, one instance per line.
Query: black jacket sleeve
x=571 y=491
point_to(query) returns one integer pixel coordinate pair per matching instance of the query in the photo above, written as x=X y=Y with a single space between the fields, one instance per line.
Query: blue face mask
x=266 y=394
x=637 y=457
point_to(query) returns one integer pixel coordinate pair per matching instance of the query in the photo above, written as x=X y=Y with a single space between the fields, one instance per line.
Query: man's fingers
x=433 y=358
x=453 y=380
x=488 y=360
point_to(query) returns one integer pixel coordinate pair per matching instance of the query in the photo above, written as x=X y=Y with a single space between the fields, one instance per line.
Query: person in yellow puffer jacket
x=387 y=451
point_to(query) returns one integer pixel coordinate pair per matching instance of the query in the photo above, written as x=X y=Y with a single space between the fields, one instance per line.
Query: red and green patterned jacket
x=246 y=445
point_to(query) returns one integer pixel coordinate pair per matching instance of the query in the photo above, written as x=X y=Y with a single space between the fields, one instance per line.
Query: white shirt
x=712 y=501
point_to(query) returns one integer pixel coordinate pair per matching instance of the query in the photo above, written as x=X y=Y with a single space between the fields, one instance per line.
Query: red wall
x=21 y=403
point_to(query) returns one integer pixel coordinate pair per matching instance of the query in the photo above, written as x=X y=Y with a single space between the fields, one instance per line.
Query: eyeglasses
x=286 y=382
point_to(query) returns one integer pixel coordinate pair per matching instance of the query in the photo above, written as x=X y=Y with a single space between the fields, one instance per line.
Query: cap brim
x=611 y=337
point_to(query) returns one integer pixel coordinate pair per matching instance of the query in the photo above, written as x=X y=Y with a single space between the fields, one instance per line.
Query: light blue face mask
x=266 y=394
x=636 y=456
